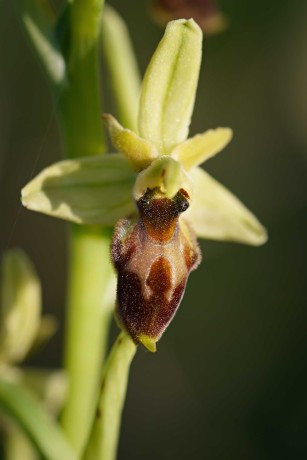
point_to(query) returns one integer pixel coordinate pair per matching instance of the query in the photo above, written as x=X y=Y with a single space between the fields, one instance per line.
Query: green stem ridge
x=27 y=412
x=91 y=298
x=105 y=432
x=75 y=80
x=79 y=105
x=91 y=275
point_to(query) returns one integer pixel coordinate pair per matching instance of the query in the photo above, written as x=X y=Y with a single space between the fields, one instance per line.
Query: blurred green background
x=229 y=379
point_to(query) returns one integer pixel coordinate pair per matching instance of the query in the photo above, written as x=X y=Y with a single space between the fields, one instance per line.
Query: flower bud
x=153 y=257
x=20 y=306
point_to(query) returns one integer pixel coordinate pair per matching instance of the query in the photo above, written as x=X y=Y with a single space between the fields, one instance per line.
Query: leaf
x=217 y=214
x=90 y=190
x=201 y=147
x=40 y=33
x=169 y=86
x=27 y=412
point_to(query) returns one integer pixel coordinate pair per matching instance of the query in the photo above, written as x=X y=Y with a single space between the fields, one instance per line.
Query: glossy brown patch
x=160 y=276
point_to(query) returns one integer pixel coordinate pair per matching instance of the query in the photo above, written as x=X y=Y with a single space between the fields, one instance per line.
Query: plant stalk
x=91 y=297
x=91 y=286
x=105 y=432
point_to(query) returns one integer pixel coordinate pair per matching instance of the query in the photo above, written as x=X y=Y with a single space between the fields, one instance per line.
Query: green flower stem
x=90 y=276
x=91 y=299
x=79 y=104
x=27 y=412
x=105 y=432
x=122 y=66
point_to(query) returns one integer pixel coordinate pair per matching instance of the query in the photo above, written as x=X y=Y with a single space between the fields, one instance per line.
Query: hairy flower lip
x=153 y=257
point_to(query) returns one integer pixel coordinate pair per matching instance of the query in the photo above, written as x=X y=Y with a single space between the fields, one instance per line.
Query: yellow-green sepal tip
x=148 y=343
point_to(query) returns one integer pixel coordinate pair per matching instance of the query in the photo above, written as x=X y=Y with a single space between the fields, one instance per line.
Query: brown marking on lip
x=153 y=258
x=160 y=276
x=145 y=316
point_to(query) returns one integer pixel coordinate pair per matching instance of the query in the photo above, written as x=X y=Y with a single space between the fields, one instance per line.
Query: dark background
x=229 y=378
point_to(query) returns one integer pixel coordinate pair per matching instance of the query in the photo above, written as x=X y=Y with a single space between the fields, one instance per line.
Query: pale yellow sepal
x=217 y=214
x=90 y=190
x=164 y=173
x=201 y=147
x=148 y=343
x=139 y=152
x=20 y=306
x=169 y=86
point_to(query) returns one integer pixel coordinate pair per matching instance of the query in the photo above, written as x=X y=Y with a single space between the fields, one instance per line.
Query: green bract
x=101 y=189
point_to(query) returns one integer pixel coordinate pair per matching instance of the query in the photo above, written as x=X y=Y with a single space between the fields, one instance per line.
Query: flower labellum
x=153 y=257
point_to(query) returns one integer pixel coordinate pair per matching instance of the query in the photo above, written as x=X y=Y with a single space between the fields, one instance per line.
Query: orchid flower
x=155 y=172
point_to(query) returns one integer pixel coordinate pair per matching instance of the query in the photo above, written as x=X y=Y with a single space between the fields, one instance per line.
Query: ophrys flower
x=154 y=178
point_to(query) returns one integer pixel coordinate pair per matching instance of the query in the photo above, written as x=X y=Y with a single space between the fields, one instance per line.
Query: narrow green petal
x=40 y=33
x=90 y=190
x=169 y=86
x=165 y=173
x=27 y=412
x=217 y=214
x=138 y=151
x=201 y=147
x=20 y=306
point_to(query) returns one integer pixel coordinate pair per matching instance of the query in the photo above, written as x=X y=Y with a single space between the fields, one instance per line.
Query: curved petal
x=139 y=152
x=201 y=147
x=217 y=214
x=90 y=190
